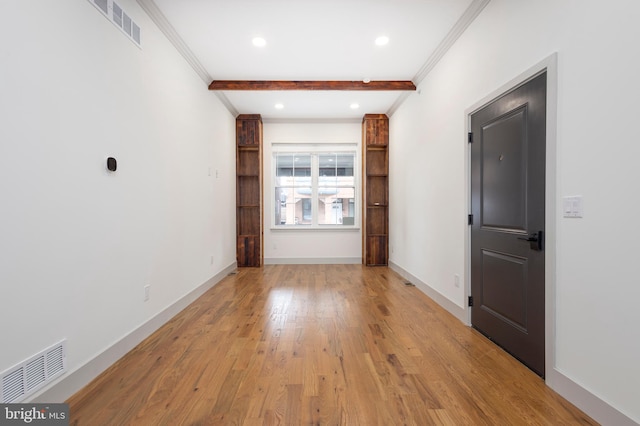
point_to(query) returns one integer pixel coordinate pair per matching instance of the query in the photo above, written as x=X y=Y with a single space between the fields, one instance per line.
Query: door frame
x=550 y=65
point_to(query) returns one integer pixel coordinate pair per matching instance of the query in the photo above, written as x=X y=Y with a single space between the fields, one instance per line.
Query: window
x=315 y=189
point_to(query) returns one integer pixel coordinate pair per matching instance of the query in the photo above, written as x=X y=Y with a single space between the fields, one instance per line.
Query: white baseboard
x=593 y=406
x=447 y=304
x=312 y=260
x=590 y=404
x=71 y=382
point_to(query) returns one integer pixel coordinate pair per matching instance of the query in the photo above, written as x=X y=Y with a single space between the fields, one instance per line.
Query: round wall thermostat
x=112 y=164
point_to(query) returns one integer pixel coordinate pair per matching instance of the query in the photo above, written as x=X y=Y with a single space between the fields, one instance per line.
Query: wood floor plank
x=318 y=345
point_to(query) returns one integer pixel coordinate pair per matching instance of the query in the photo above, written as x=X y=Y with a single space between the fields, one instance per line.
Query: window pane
x=293 y=169
x=336 y=169
x=336 y=206
x=344 y=164
x=284 y=181
x=306 y=211
x=298 y=202
x=284 y=165
x=327 y=164
x=346 y=181
x=327 y=170
x=302 y=165
x=293 y=206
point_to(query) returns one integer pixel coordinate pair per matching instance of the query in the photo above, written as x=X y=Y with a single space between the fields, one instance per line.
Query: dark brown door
x=507 y=234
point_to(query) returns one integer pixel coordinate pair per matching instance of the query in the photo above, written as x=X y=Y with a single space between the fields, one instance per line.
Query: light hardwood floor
x=318 y=345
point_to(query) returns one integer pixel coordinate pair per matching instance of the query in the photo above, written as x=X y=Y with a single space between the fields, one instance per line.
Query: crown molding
x=156 y=15
x=452 y=36
x=174 y=38
x=227 y=103
x=399 y=101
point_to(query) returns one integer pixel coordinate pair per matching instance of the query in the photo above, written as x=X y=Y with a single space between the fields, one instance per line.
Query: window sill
x=316 y=228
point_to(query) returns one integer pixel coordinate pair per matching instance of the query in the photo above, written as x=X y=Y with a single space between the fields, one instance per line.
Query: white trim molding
x=448 y=305
x=60 y=390
x=591 y=404
x=452 y=36
x=161 y=21
x=456 y=31
x=312 y=260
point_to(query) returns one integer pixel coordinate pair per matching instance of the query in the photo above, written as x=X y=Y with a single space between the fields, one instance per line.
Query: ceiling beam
x=310 y=85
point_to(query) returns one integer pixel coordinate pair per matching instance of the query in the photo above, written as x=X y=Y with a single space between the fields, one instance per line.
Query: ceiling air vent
x=126 y=24
x=117 y=14
x=27 y=377
x=118 y=17
x=103 y=5
x=136 y=33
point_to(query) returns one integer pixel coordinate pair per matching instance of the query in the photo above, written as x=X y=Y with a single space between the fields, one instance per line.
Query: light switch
x=572 y=206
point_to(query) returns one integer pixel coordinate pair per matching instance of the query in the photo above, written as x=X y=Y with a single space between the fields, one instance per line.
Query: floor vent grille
x=27 y=377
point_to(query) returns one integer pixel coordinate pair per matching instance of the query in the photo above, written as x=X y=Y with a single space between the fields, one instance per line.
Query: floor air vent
x=27 y=377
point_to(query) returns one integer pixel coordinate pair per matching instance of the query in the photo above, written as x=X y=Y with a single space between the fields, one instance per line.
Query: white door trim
x=550 y=65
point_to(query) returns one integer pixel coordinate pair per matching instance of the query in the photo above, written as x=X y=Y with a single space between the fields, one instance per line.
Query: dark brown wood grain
x=375 y=247
x=311 y=85
x=249 y=189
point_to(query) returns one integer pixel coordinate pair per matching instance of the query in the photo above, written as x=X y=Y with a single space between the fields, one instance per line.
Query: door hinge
x=470 y=301
x=470 y=219
x=470 y=137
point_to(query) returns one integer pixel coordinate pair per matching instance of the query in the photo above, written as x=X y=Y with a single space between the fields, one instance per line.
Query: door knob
x=536 y=240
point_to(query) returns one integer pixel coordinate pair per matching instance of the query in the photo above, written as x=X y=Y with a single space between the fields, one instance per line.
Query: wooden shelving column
x=249 y=190
x=375 y=146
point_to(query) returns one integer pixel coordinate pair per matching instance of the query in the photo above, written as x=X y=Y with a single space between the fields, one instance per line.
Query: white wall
x=597 y=286
x=78 y=243
x=312 y=246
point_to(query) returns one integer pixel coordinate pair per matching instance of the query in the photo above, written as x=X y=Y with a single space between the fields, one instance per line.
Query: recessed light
x=259 y=42
x=382 y=41
x=279 y=106
x=354 y=106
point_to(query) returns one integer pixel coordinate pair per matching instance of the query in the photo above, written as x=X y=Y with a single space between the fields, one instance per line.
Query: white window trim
x=314 y=150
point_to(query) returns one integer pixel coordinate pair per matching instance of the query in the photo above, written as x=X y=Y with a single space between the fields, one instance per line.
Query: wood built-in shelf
x=375 y=242
x=249 y=190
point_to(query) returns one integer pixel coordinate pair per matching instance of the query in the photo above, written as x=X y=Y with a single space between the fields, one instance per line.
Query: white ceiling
x=312 y=40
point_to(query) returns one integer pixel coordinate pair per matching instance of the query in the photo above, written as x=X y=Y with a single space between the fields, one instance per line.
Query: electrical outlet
x=211 y=259
x=456 y=280
x=147 y=292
